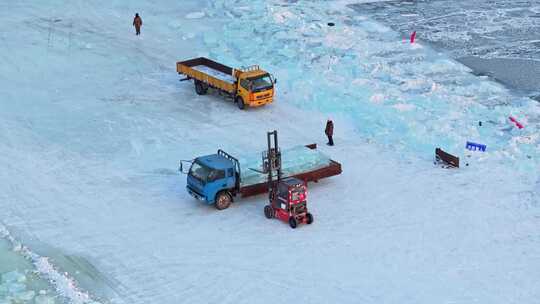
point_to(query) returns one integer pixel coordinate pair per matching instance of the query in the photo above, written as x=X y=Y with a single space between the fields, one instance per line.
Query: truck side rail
x=236 y=165
x=250 y=68
x=186 y=68
x=207 y=62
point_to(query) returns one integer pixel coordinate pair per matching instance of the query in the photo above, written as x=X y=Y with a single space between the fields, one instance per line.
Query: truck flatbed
x=214 y=74
x=303 y=162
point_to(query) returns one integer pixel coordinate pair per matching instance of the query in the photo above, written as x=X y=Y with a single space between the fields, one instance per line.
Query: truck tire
x=309 y=218
x=268 y=212
x=200 y=87
x=292 y=222
x=223 y=200
x=240 y=103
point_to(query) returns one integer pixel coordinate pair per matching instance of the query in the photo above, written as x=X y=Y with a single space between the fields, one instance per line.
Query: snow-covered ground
x=93 y=123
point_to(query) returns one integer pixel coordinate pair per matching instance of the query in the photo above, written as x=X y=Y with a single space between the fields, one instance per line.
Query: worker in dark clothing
x=137 y=23
x=329 y=131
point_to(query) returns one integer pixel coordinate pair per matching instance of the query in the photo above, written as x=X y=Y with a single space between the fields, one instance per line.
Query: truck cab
x=255 y=87
x=214 y=179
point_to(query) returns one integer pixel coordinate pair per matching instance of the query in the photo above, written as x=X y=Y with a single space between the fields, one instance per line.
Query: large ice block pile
x=409 y=98
x=19 y=283
x=214 y=73
x=294 y=160
x=16 y=287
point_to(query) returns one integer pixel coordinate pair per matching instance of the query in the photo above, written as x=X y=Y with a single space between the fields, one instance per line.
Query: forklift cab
x=289 y=202
x=291 y=196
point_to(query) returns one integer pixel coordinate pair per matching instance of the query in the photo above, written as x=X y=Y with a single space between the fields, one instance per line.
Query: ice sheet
x=26 y=276
x=215 y=73
x=497 y=39
x=18 y=281
x=504 y=28
x=294 y=160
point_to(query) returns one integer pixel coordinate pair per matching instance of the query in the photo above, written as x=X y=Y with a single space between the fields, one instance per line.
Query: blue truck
x=217 y=179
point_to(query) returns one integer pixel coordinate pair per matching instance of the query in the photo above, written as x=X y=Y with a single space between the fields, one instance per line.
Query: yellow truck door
x=243 y=93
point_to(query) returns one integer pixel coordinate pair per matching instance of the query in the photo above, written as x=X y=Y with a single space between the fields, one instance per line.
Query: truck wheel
x=292 y=222
x=268 y=212
x=309 y=218
x=240 y=103
x=200 y=87
x=223 y=200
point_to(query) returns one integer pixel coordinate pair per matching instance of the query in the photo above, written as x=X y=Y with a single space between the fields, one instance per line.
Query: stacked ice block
x=294 y=160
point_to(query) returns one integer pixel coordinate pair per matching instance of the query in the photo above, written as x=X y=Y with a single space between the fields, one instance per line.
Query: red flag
x=413 y=36
x=517 y=123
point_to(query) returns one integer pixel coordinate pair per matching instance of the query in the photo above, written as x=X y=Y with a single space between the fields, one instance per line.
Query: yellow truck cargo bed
x=215 y=74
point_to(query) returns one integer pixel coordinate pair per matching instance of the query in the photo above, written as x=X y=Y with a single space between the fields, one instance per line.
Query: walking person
x=329 y=131
x=137 y=23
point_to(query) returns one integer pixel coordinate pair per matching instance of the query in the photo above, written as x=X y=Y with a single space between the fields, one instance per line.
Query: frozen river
x=500 y=39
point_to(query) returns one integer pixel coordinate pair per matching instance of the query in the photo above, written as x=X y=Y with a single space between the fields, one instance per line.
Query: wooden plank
x=447 y=158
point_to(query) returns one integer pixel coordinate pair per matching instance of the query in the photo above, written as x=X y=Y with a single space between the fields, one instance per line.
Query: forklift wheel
x=309 y=218
x=223 y=200
x=292 y=222
x=268 y=212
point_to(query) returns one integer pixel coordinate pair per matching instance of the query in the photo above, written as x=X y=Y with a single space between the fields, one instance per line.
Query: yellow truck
x=249 y=86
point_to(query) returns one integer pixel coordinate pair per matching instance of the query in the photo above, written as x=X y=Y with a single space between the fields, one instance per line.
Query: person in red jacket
x=137 y=23
x=329 y=131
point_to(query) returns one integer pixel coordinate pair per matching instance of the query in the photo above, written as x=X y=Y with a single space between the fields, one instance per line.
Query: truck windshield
x=199 y=171
x=261 y=83
x=205 y=174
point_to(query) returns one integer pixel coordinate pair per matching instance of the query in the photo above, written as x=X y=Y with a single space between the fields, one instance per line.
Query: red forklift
x=287 y=197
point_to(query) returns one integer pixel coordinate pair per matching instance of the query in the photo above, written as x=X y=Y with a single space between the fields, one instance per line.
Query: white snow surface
x=93 y=124
x=195 y=15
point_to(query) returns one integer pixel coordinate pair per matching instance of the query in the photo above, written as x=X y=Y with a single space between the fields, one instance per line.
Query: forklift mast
x=280 y=207
x=271 y=160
